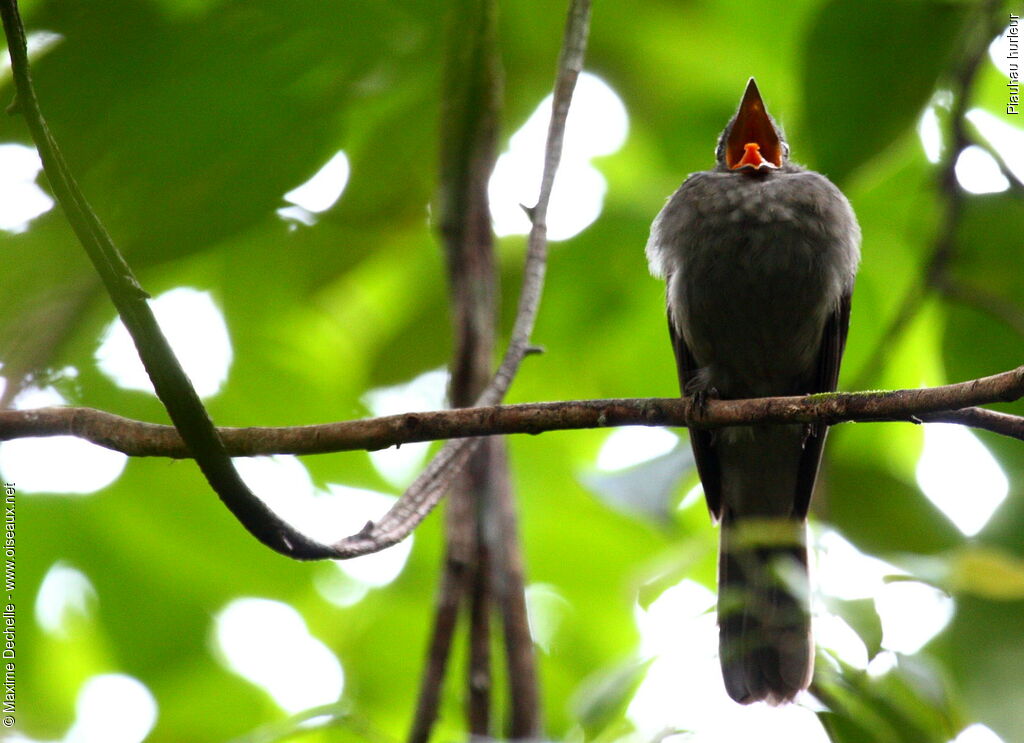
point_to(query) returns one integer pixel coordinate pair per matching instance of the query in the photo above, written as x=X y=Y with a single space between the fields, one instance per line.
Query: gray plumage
x=759 y=260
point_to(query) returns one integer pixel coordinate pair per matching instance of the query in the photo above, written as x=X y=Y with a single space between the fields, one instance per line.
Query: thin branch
x=570 y=64
x=175 y=390
x=140 y=439
x=980 y=418
x=429 y=488
x=171 y=383
x=1016 y=184
x=996 y=306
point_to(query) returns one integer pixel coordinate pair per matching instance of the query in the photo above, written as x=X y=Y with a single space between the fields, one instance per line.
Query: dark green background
x=187 y=121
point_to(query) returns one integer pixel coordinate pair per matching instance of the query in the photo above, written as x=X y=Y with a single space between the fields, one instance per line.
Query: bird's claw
x=700 y=399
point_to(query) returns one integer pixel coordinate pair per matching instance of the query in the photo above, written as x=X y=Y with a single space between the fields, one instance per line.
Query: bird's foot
x=811 y=430
x=700 y=399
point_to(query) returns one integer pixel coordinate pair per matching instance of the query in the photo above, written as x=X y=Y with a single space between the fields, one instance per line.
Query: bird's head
x=752 y=143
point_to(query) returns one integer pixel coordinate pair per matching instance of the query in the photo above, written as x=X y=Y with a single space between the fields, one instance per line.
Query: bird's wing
x=701 y=440
x=833 y=342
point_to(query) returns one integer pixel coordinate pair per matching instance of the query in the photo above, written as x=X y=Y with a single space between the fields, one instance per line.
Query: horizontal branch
x=172 y=385
x=951 y=403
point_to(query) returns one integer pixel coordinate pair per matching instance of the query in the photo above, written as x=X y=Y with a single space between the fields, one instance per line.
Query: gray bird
x=759 y=256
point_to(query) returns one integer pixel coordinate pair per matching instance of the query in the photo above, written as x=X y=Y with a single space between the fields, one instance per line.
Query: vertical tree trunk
x=482 y=564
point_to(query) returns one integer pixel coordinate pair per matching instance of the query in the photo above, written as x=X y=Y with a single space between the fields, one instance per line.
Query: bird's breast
x=756 y=273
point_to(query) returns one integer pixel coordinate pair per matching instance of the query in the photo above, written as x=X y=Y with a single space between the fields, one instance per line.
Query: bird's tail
x=764 y=619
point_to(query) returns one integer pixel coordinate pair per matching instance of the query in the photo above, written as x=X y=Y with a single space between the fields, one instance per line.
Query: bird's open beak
x=752 y=141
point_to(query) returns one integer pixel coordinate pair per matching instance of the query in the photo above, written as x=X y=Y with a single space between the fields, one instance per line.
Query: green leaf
x=862 y=616
x=982 y=651
x=883 y=515
x=987 y=573
x=603 y=697
x=892 y=708
x=853 y=50
x=649 y=489
x=187 y=121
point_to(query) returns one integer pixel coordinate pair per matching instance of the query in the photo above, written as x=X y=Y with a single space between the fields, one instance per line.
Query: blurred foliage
x=185 y=122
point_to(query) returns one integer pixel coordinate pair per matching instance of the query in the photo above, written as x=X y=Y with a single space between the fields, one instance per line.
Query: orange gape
x=751 y=156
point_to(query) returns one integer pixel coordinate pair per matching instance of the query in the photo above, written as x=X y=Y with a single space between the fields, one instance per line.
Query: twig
x=980 y=418
x=570 y=64
x=136 y=438
x=428 y=489
x=169 y=380
x=996 y=306
x=175 y=390
x=1016 y=184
